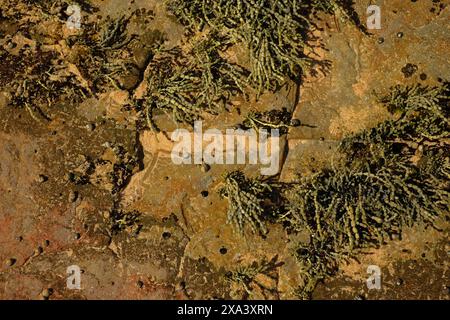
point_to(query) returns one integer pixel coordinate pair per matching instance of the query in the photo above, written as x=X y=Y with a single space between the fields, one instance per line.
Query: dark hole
x=166 y=235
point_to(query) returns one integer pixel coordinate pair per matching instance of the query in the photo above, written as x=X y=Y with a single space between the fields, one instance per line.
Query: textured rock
x=181 y=246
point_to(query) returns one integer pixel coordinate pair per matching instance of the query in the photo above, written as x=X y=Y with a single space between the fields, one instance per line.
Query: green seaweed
x=378 y=190
x=393 y=176
x=186 y=85
x=246 y=199
x=273 y=31
x=105 y=43
x=245 y=275
x=274 y=119
x=120 y=220
x=114 y=36
x=42 y=85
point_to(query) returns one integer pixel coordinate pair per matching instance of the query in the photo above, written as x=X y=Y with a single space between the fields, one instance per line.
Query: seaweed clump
x=390 y=177
x=196 y=77
x=422 y=120
x=246 y=198
x=245 y=277
x=120 y=220
x=43 y=84
x=185 y=85
x=380 y=187
x=108 y=48
x=271 y=120
x=273 y=31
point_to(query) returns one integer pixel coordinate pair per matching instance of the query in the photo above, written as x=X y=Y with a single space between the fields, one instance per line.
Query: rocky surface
x=179 y=246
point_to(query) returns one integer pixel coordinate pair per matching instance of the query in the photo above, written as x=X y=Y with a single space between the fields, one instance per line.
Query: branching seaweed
x=245 y=276
x=273 y=119
x=377 y=190
x=318 y=260
x=106 y=44
x=246 y=199
x=273 y=31
x=186 y=85
x=120 y=220
x=114 y=35
x=43 y=84
x=422 y=119
x=393 y=176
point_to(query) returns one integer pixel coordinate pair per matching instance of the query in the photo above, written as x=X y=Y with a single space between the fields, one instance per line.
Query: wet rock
x=90 y=127
x=38 y=251
x=166 y=235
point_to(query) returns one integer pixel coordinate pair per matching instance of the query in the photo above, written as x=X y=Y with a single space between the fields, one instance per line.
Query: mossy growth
x=42 y=84
x=421 y=118
x=120 y=220
x=274 y=119
x=107 y=45
x=197 y=77
x=186 y=84
x=317 y=260
x=273 y=31
x=247 y=202
x=390 y=177
x=245 y=277
x=113 y=35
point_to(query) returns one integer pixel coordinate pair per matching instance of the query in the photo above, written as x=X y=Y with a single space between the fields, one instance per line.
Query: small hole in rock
x=166 y=235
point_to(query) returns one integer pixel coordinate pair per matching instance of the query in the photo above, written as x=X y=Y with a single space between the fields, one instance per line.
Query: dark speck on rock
x=409 y=69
